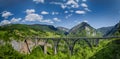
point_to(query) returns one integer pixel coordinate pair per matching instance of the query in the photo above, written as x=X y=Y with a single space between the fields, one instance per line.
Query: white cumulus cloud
x=68 y=4
x=6 y=14
x=73 y=3
x=38 y=1
x=80 y=12
x=84 y=5
x=30 y=11
x=5 y=22
x=15 y=20
x=56 y=19
x=44 y=12
x=33 y=17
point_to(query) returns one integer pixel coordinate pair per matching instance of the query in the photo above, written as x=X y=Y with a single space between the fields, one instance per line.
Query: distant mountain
x=115 y=31
x=63 y=29
x=83 y=29
x=104 y=30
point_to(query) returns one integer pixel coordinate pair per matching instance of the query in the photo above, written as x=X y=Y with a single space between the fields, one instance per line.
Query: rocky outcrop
x=27 y=45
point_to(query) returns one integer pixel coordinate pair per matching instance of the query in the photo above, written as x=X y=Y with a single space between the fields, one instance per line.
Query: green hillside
x=110 y=51
x=19 y=31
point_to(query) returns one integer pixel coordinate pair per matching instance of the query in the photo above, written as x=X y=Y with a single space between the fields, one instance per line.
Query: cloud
x=33 y=17
x=6 y=14
x=48 y=21
x=55 y=13
x=84 y=0
x=66 y=12
x=73 y=3
x=15 y=20
x=80 y=12
x=44 y=12
x=68 y=4
x=63 y=6
x=77 y=0
x=68 y=16
x=30 y=11
x=84 y=5
x=38 y=1
x=85 y=21
x=5 y=22
x=56 y=19
x=87 y=9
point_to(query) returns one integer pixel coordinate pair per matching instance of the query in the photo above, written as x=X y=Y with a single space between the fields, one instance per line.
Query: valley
x=21 y=41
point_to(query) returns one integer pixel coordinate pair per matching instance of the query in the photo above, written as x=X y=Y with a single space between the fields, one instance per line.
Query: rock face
x=27 y=45
x=83 y=29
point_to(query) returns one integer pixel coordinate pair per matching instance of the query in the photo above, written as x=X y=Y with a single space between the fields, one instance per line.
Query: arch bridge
x=70 y=41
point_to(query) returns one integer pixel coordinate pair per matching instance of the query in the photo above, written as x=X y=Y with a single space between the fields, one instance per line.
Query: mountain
x=110 y=51
x=63 y=29
x=16 y=31
x=115 y=31
x=83 y=29
x=104 y=30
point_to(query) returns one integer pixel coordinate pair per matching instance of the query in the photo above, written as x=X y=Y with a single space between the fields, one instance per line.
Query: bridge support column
x=36 y=42
x=45 y=46
x=56 y=42
x=96 y=42
x=45 y=49
x=55 y=49
x=71 y=49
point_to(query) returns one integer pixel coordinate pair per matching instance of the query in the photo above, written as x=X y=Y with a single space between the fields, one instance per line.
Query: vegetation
x=7 y=52
x=20 y=31
x=107 y=49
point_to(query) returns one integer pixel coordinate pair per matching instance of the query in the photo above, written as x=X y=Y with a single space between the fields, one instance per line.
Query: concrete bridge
x=70 y=41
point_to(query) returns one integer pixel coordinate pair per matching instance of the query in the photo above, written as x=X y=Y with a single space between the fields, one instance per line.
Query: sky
x=64 y=13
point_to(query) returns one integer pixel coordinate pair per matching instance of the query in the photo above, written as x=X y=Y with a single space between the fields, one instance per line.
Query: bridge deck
x=79 y=37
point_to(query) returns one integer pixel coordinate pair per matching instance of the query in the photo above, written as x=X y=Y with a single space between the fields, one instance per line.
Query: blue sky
x=65 y=13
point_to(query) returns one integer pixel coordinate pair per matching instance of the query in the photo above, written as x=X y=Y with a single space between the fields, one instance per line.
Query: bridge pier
x=45 y=49
x=71 y=47
x=96 y=42
x=45 y=46
x=56 y=42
